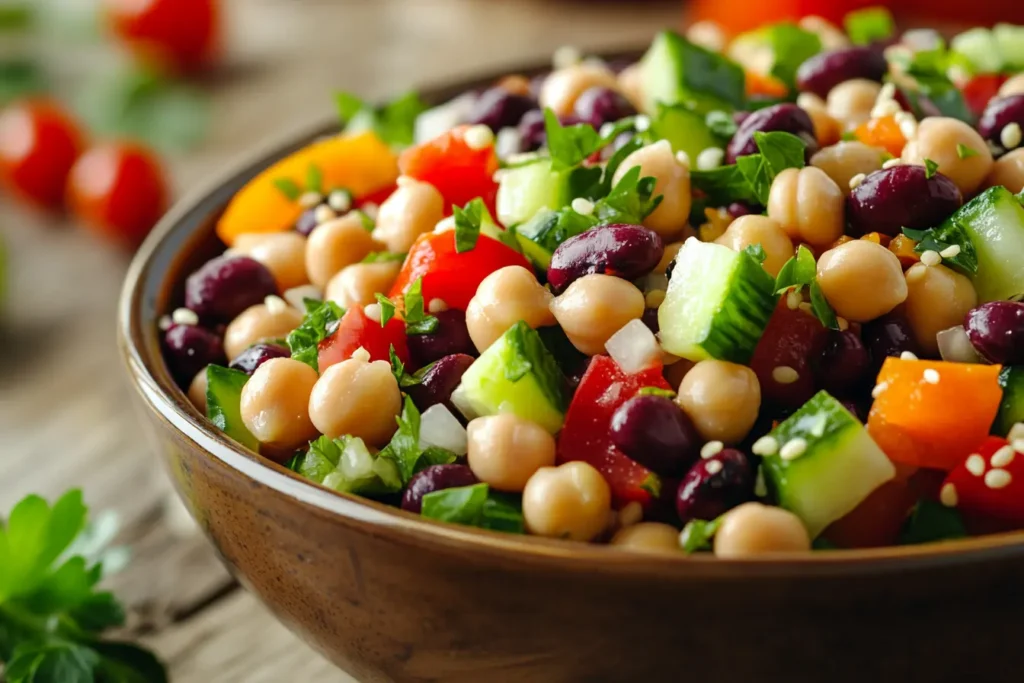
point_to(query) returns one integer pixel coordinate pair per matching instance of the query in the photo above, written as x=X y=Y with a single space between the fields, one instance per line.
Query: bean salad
x=747 y=295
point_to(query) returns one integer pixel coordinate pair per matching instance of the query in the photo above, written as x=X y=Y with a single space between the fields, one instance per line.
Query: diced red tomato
x=788 y=341
x=355 y=330
x=932 y=413
x=878 y=519
x=459 y=172
x=39 y=143
x=449 y=275
x=585 y=436
x=989 y=483
x=179 y=36
x=377 y=197
x=980 y=90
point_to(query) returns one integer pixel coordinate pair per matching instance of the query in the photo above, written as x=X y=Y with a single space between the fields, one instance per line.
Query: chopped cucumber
x=516 y=374
x=994 y=220
x=675 y=71
x=981 y=48
x=223 y=403
x=685 y=130
x=839 y=467
x=718 y=303
x=525 y=190
x=1011 y=410
x=346 y=464
x=1010 y=40
x=540 y=236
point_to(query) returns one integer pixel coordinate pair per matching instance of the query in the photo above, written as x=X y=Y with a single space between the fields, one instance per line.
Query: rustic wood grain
x=66 y=415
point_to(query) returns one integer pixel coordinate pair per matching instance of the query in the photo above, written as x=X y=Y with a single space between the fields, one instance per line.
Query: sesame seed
x=478 y=137
x=340 y=201
x=931 y=258
x=361 y=354
x=879 y=389
x=948 y=497
x=998 y=479
x=714 y=467
x=952 y=251
x=566 y=55
x=683 y=158
x=908 y=355
x=1018 y=445
x=583 y=206
x=437 y=306
x=642 y=122
x=165 y=323
x=372 y=312
x=711 y=449
x=975 y=465
x=1003 y=457
x=766 y=445
x=324 y=214
x=793 y=299
x=806 y=308
x=654 y=298
x=1016 y=433
x=856 y=180
x=631 y=514
x=783 y=374
x=892 y=163
x=843 y=323
x=1011 y=136
x=931 y=376
x=275 y=304
x=184 y=316
x=793 y=449
x=885 y=108
x=711 y=158
x=309 y=199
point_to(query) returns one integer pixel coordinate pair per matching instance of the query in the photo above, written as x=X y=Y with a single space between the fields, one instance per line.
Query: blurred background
x=110 y=110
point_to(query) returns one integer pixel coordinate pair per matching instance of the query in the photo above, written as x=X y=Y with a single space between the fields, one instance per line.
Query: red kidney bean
x=451 y=337
x=841 y=364
x=531 y=130
x=497 y=108
x=307 y=221
x=227 y=285
x=435 y=478
x=626 y=251
x=190 y=348
x=715 y=485
x=656 y=433
x=599 y=105
x=825 y=70
x=787 y=118
x=887 y=336
x=650 y=318
x=256 y=355
x=1001 y=112
x=439 y=382
x=901 y=197
x=739 y=209
x=996 y=331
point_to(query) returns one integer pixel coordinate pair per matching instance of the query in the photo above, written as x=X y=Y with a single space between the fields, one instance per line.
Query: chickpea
x=648 y=537
x=563 y=86
x=503 y=298
x=753 y=529
x=258 y=323
x=357 y=284
x=1012 y=86
x=275 y=403
x=505 y=450
x=672 y=182
x=336 y=244
x=283 y=253
x=631 y=85
x=937 y=299
x=1008 y=171
x=668 y=256
x=808 y=205
x=359 y=398
x=572 y=501
x=516 y=84
x=832 y=38
x=938 y=138
x=414 y=208
x=862 y=280
x=844 y=160
x=826 y=129
x=850 y=103
x=675 y=372
x=197 y=391
x=748 y=230
x=722 y=399
x=594 y=308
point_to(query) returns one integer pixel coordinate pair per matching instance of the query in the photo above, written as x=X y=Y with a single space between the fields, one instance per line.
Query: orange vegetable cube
x=882 y=132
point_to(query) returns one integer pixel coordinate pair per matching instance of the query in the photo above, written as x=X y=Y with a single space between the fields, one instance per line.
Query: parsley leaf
x=346 y=464
x=405 y=450
x=941 y=238
x=778 y=151
x=404 y=379
x=416 y=320
x=930 y=522
x=930 y=168
x=317 y=325
x=965 y=152
x=569 y=145
x=289 y=188
x=475 y=505
x=629 y=201
x=801 y=271
x=724 y=185
x=394 y=123
x=756 y=252
x=467 y=224
x=387 y=309
x=698 y=535
x=929 y=69
x=314 y=179
x=869 y=25
x=721 y=124
x=791 y=46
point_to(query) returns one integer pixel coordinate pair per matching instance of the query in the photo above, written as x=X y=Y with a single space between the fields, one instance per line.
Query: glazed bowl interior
x=185 y=239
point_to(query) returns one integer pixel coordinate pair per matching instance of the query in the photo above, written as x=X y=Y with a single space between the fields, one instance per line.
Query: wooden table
x=66 y=413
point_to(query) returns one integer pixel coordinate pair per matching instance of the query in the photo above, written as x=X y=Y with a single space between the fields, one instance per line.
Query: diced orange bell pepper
x=931 y=413
x=764 y=86
x=360 y=163
x=877 y=238
x=903 y=247
x=882 y=132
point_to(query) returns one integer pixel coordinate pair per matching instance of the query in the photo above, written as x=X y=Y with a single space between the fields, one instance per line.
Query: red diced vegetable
x=458 y=171
x=989 y=483
x=788 y=341
x=355 y=330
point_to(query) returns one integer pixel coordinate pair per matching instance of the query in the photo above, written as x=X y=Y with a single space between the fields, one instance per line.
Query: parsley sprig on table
x=51 y=613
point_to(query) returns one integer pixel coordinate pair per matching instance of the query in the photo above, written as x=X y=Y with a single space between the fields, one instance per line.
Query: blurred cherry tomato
x=39 y=143
x=980 y=90
x=179 y=36
x=118 y=190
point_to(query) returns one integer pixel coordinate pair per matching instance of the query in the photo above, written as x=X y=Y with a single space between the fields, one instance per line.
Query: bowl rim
x=137 y=318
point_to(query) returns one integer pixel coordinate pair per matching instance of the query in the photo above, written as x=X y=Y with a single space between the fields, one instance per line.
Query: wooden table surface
x=66 y=412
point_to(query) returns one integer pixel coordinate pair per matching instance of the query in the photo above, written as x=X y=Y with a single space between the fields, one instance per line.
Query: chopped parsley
x=467 y=224
x=394 y=123
x=930 y=169
x=801 y=271
x=412 y=308
x=318 y=324
x=869 y=25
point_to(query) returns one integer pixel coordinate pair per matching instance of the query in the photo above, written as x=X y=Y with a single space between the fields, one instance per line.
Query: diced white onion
x=956 y=347
x=438 y=427
x=634 y=347
x=441 y=119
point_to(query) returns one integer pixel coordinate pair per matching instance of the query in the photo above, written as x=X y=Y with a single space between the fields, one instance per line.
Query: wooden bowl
x=389 y=596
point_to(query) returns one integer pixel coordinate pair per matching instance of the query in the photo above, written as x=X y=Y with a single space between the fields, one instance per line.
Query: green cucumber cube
x=676 y=71
x=223 y=404
x=994 y=220
x=524 y=190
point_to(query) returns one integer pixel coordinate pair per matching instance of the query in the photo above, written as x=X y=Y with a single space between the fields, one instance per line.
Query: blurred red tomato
x=177 y=36
x=38 y=144
x=118 y=190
